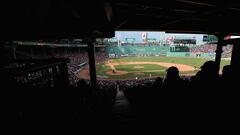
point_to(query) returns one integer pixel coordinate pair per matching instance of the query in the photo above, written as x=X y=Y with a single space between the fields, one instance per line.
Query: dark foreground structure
x=36 y=93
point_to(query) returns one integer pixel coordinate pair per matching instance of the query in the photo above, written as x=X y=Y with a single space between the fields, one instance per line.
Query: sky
x=157 y=35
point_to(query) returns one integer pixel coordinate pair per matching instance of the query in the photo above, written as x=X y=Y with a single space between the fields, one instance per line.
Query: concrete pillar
x=52 y=52
x=31 y=51
x=235 y=60
x=14 y=52
x=64 y=74
x=44 y=51
x=92 y=66
x=65 y=50
x=219 y=51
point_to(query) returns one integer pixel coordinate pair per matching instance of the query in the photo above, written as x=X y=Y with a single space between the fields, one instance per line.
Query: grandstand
x=74 y=50
x=106 y=50
x=55 y=71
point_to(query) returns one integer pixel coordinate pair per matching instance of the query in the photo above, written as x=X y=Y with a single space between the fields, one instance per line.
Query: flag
x=144 y=35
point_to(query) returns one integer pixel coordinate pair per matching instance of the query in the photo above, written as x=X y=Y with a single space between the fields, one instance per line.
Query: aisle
x=123 y=119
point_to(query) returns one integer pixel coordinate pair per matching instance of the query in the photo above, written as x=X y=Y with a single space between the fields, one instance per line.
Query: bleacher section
x=190 y=54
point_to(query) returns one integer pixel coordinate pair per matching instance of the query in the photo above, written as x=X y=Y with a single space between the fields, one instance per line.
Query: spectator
x=173 y=79
x=206 y=77
x=158 y=83
x=227 y=76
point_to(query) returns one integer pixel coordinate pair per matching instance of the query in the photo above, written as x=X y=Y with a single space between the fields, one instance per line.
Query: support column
x=53 y=52
x=64 y=74
x=44 y=51
x=235 y=60
x=14 y=52
x=65 y=49
x=219 y=51
x=92 y=67
x=31 y=51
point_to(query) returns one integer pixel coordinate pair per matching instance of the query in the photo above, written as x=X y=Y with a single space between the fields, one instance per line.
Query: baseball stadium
x=134 y=57
x=118 y=67
x=151 y=59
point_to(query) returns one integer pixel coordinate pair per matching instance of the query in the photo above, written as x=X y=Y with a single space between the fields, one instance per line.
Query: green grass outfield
x=145 y=67
x=157 y=70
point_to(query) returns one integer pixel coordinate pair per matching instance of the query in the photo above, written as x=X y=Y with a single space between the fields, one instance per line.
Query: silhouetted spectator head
x=226 y=72
x=209 y=67
x=172 y=72
x=226 y=69
x=158 y=82
x=208 y=74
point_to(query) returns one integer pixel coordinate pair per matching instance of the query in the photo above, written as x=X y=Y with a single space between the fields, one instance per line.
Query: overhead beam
x=197 y=3
x=120 y=25
x=189 y=17
x=185 y=11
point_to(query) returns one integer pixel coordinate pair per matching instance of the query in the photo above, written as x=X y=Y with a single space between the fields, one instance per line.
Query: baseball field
x=146 y=67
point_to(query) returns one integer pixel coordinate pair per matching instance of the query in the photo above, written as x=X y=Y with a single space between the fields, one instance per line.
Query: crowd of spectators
x=227 y=51
x=47 y=109
x=205 y=48
x=75 y=64
x=78 y=56
x=100 y=57
x=79 y=60
x=196 y=100
x=52 y=42
x=211 y=48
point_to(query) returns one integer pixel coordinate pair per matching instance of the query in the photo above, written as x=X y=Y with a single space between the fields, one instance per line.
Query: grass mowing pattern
x=197 y=62
x=146 y=67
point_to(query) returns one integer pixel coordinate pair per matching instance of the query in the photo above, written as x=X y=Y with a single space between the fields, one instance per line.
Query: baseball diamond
x=145 y=67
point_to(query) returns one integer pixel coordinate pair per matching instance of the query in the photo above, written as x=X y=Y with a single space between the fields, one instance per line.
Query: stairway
x=124 y=120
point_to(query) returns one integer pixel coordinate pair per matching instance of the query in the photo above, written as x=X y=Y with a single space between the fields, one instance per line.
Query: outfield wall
x=147 y=50
x=138 y=50
x=178 y=54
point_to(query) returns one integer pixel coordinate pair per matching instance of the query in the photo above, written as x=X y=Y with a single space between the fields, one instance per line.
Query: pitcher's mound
x=118 y=72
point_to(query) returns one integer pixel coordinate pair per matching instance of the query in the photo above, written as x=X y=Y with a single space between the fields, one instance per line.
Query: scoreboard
x=179 y=49
x=185 y=41
x=210 y=38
